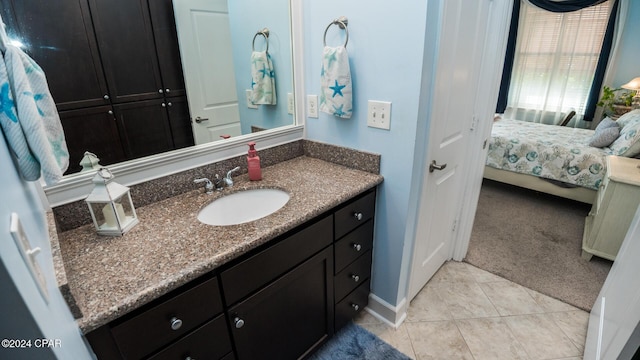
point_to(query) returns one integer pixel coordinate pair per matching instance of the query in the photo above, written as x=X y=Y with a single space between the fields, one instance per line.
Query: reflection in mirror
x=115 y=72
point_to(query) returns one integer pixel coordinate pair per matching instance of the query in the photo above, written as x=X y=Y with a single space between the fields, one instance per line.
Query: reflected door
x=205 y=47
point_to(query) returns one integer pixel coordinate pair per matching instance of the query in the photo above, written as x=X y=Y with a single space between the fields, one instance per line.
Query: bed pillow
x=604 y=136
x=607 y=123
x=626 y=117
x=628 y=143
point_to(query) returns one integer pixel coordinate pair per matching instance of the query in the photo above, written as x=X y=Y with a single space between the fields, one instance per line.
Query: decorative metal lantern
x=110 y=205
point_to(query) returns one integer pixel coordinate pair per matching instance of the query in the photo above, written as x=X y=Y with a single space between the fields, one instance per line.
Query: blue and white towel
x=336 y=94
x=28 y=116
x=263 y=78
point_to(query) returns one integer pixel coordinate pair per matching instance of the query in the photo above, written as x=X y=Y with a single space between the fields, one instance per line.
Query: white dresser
x=612 y=212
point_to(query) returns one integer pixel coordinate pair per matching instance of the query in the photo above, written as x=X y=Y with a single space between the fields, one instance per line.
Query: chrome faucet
x=208 y=184
x=227 y=179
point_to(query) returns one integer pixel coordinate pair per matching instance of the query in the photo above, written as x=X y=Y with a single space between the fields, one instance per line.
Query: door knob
x=357 y=215
x=176 y=323
x=199 y=119
x=434 y=166
x=238 y=322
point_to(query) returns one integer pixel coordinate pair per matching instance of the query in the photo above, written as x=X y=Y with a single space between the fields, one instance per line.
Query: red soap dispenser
x=253 y=162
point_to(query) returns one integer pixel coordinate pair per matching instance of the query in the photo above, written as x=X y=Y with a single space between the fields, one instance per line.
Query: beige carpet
x=535 y=240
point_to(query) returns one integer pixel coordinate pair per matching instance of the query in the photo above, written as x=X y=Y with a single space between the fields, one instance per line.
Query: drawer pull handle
x=355 y=278
x=176 y=323
x=239 y=322
x=357 y=247
x=357 y=215
x=355 y=307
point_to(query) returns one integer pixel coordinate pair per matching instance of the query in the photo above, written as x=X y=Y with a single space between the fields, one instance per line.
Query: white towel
x=263 y=78
x=336 y=94
x=29 y=118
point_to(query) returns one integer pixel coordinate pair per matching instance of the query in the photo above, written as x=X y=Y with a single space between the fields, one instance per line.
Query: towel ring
x=342 y=23
x=264 y=32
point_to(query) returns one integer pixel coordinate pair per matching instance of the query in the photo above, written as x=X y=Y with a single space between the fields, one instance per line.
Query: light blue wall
x=246 y=18
x=53 y=319
x=386 y=43
x=628 y=66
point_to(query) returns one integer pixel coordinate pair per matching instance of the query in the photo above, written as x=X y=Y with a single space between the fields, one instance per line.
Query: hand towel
x=29 y=116
x=336 y=92
x=263 y=76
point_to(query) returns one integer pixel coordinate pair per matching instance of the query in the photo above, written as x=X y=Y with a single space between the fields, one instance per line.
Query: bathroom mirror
x=241 y=19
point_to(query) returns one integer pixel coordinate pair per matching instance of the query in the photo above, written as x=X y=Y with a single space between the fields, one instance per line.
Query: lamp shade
x=632 y=85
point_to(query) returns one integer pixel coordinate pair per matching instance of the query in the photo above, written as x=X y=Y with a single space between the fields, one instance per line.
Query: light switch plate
x=312 y=106
x=290 y=103
x=250 y=104
x=379 y=114
x=28 y=254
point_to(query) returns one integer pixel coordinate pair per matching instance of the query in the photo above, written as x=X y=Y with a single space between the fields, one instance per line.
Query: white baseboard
x=387 y=313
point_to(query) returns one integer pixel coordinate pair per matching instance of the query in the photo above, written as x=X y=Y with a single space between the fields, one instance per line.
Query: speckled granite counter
x=110 y=276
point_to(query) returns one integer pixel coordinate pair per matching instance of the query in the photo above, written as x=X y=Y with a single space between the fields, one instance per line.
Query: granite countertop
x=110 y=276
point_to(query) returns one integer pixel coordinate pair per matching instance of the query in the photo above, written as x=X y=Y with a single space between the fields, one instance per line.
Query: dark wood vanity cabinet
x=280 y=301
x=117 y=53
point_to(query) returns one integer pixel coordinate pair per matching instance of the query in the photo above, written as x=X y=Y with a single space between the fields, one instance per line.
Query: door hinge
x=455 y=225
x=474 y=123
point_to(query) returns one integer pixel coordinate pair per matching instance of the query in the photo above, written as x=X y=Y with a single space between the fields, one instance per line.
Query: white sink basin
x=243 y=206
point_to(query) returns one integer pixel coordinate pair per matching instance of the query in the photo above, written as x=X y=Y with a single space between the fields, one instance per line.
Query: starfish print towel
x=263 y=78
x=29 y=118
x=336 y=93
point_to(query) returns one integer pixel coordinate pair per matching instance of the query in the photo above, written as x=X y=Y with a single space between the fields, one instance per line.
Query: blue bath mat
x=353 y=342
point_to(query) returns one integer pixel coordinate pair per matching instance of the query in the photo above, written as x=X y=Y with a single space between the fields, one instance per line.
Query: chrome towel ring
x=264 y=32
x=342 y=22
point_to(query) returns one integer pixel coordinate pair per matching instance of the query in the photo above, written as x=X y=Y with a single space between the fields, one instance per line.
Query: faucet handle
x=218 y=183
x=208 y=186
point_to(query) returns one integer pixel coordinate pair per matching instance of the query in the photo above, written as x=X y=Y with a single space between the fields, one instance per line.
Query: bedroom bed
x=555 y=159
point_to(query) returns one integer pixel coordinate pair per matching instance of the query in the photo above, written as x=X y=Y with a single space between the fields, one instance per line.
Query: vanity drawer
x=353 y=245
x=264 y=267
x=152 y=329
x=351 y=305
x=353 y=275
x=354 y=214
x=210 y=341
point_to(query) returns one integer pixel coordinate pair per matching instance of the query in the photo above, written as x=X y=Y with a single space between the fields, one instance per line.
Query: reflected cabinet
x=108 y=59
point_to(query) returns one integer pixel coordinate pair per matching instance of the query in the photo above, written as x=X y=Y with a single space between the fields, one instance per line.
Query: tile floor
x=467 y=313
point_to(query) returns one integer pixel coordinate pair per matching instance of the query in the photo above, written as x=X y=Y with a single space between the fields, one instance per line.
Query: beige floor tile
x=574 y=324
x=437 y=340
x=453 y=271
x=491 y=338
x=465 y=300
x=398 y=338
x=541 y=337
x=483 y=276
x=510 y=298
x=428 y=306
x=550 y=304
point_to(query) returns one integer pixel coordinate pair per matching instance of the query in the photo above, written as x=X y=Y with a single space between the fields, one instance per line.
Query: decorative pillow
x=627 y=117
x=606 y=123
x=628 y=143
x=604 y=137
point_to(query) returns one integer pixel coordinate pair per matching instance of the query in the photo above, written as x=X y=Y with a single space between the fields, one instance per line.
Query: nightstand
x=618 y=198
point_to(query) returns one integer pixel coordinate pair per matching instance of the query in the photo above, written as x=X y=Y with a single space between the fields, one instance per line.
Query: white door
x=461 y=44
x=204 y=36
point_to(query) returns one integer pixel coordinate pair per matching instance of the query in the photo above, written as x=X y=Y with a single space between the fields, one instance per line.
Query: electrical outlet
x=290 y=104
x=250 y=103
x=312 y=106
x=379 y=114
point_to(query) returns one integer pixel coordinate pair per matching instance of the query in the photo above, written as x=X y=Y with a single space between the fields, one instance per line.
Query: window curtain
x=561 y=73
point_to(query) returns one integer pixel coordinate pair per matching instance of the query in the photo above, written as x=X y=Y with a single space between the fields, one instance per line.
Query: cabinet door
x=180 y=122
x=59 y=36
x=144 y=127
x=290 y=317
x=92 y=129
x=166 y=37
x=131 y=66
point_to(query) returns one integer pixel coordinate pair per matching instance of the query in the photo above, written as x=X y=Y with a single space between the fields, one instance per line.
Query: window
x=555 y=60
